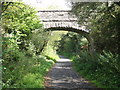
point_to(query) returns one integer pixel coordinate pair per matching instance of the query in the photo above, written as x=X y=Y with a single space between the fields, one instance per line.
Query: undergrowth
x=26 y=72
x=103 y=70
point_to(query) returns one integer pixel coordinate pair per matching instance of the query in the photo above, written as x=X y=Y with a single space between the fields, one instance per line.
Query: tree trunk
x=91 y=43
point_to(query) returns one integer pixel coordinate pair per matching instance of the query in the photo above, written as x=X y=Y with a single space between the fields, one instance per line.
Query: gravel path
x=62 y=75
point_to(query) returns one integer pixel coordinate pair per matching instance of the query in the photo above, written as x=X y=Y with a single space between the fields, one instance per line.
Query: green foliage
x=35 y=78
x=50 y=58
x=38 y=41
x=50 y=52
x=29 y=51
x=103 y=70
x=102 y=20
x=32 y=81
x=27 y=73
x=18 y=23
x=23 y=41
x=72 y=43
x=52 y=45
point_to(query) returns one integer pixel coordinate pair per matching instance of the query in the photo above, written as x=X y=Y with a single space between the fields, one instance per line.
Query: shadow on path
x=63 y=76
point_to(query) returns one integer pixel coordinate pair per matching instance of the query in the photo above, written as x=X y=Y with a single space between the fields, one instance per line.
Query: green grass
x=102 y=70
x=35 y=79
x=28 y=72
x=49 y=52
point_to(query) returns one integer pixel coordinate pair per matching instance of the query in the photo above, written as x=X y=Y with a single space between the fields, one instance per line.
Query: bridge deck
x=59 y=18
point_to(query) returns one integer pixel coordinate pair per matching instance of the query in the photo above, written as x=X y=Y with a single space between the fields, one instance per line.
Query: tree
x=103 y=22
x=20 y=24
x=20 y=20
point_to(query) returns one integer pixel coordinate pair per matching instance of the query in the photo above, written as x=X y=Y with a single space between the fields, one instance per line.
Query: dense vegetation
x=24 y=39
x=103 y=21
x=103 y=68
x=29 y=51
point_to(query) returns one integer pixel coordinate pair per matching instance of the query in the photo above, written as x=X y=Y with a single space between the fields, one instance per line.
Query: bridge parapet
x=59 y=18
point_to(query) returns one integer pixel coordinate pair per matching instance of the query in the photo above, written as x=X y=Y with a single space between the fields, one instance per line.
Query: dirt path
x=62 y=76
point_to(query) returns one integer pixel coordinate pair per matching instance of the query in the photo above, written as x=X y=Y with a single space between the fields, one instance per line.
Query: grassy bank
x=103 y=70
x=27 y=71
x=35 y=79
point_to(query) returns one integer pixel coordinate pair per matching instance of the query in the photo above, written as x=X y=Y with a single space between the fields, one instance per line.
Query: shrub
x=103 y=70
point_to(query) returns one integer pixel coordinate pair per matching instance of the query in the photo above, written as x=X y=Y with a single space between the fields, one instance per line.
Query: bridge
x=63 y=20
x=60 y=20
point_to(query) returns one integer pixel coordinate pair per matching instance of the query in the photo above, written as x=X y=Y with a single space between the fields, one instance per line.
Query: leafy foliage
x=26 y=73
x=18 y=22
x=23 y=41
x=103 y=71
x=102 y=20
x=29 y=51
x=72 y=43
x=35 y=78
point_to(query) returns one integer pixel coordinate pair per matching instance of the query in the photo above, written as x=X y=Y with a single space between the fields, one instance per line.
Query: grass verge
x=102 y=70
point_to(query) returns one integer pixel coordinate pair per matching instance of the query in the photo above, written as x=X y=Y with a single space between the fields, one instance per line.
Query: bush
x=103 y=70
x=23 y=66
x=35 y=79
x=28 y=72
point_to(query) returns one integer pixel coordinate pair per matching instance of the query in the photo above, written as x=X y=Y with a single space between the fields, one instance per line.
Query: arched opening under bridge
x=81 y=32
x=63 y=20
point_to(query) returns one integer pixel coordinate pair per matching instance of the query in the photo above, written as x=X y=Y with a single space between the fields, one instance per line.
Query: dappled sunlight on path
x=62 y=76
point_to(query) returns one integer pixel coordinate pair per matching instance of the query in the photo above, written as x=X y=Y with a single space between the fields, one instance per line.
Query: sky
x=49 y=4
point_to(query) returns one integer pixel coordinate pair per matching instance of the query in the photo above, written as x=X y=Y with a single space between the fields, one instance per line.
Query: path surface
x=62 y=75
